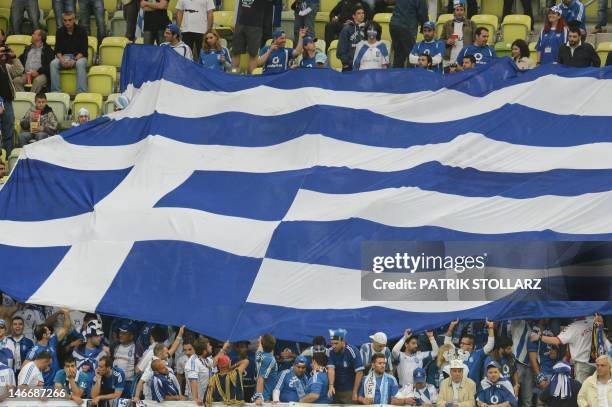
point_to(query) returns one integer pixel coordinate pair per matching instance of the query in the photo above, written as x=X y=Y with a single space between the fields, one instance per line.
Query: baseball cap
x=321 y=58
x=301 y=359
x=337 y=334
x=458 y=3
x=493 y=363
x=556 y=9
x=83 y=112
x=430 y=25
x=419 y=375
x=223 y=361
x=174 y=29
x=2 y=323
x=309 y=39
x=379 y=337
x=278 y=33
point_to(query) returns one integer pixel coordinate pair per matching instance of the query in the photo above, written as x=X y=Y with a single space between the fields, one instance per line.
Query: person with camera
x=10 y=67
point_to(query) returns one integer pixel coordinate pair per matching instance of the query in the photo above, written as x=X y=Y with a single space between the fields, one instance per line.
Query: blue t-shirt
x=346 y=364
x=291 y=386
x=278 y=61
x=549 y=43
x=113 y=383
x=82 y=380
x=497 y=394
x=483 y=55
x=433 y=48
x=212 y=59
x=51 y=348
x=474 y=363
x=268 y=369
x=164 y=385
x=319 y=384
x=391 y=386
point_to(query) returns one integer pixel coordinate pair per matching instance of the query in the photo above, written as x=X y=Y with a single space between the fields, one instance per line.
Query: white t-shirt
x=407 y=364
x=458 y=31
x=31 y=376
x=125 y=359
x=199 y=370
x=7 y=378
x=179 y=367
x=602 y=393
x=31 y=318
x=578 y=336
x=195 y=17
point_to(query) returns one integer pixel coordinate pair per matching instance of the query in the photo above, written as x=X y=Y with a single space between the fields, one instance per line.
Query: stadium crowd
x=546 y=362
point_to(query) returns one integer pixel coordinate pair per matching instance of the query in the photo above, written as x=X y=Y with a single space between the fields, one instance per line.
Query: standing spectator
x=473 y=357
x=239 y=354
x=340 y=15
x=552 y=36
x=596 y=391
x=267 y=369
x=39 y=122
x=95 y=7
x=60 y=7
x=31 y=374
x=125 y=352
x=271 y=19
x=527 y=10
x=291 y=383
x=496 y=390
x=195 y=17
x=542 y=356
x=318 y=384
x=458 y=32
x=520 y=55
x=312 y=57
x=406 y=18
x=73 y=381
x=108 y=383
x=602 y=17
x=344 y=369
x=560 y=390
x=287 y=351
x=36 y=60
x=352 y=34
x=130 y=12
x=275 y=58
x=573 y=10
x=70 y=52
x=419 y=390
x=521 y=330
x=458 y=389
x=7 y=345
x=378 y=387
x=472 y=7
x=172 y=37
x=198 y=370
x=17 y=9
x=577 y=54
x=155 y=20
x=213 y=55
x=304 y=12
x=20 y=342
x=429 y=46
x=482 y=52
x=226 y=386
x=10 y=67
x=502 y=355
x=248 y=31
x=92 y=350
x=378 y=345
x=371 y=53
x=155 y=336
x=164 y=385
x=411 y=358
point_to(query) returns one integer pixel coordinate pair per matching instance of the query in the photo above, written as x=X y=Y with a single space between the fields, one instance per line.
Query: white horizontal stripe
x=590 y=96
x=469 y=150
x=413 y=207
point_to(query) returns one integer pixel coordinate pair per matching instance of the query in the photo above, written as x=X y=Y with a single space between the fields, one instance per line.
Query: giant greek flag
x=238 y=205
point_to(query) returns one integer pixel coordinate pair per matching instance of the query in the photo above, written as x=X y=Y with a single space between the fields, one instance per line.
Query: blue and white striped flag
x=237 y=205
x=139 y=23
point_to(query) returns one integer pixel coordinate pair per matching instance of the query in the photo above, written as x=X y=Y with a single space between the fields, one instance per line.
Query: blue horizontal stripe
x=38 y=190
x=478 y=82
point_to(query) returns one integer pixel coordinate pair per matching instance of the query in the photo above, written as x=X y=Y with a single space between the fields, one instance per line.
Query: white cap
x=379 y=337
x=83 y=112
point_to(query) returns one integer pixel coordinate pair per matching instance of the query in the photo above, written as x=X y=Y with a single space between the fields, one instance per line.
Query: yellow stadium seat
x=60 y=103
x=383 y=19
x=22 y=103
x=327 y=5
x=139 y=41
x=68 y=81
x=90 y=101
x=13 y=158
x=45 y=5
x=228 y=5
x=51 y=41
x=6 y=3
x=488 y=21
x=171 y=5
x=117 y=24
x=51 y=25
x=18 y=43
x=109 y=104
x=442 y=19
x=257 y=71
x=110 y=5
x=320 y=45
x=515 y=26
x=244 y=63
x=111 y=51
x=602 y=50
x=224 y=22
x=101 y=79
x=493 y=7
x=503 y=49
x=288 y=43
x=5 y=17
x=92 y=46
x=334 y=62
x=321 y=19
x=533 y=54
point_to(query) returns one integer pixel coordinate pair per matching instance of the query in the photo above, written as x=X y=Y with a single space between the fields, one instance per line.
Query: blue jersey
x=543 y=354
x=391 y=388
x=278 y=61
x=573 y=12
x=113 y=383
x=508 y=369
x=22 y=347
x=212 y=59
x=346 y=364
x=367 y=352
x=82 y=381
x=497 y=393
x=51 y=348
x=268 y=369
x=483 y=55
x=474 y=363
x=549 y=43
x=432 y=48
x=319 y=384
x=291 y=386
x=164 y=385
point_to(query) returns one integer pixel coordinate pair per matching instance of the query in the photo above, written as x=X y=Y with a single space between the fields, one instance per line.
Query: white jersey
x=427 y=395
x=407 y=364
x=200 y=371
x=7 y=343
x=31 y=318
x=181 y=48
x=145 y=360
x=578 y=336
x=7 y=378
x=30 y=376
x=180 y=363
x=195 y=15
x=125 y=359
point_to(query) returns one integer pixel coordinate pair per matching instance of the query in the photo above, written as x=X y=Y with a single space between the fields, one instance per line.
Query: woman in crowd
x=213 y=55
x=520 y=55
x=551 y=37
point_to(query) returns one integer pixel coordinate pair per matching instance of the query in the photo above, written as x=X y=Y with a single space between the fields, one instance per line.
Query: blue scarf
x=369 y=387
x=560 y=383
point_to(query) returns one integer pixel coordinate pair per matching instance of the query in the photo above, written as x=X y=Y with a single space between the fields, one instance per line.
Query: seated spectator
x=70 y=52
x=378 y=386
x=458 y=32
x=574 y=11
x=292 y=382
x=421 y=392
x=39 y=122
x=469 y=62
x=164 y=385
x=424 y=62
x=520 y=55
x=561 y=389
x=108 y=383
x=226 y=385
x=248 y=31
x=352 y=34
x=172 y=37
x=576 y=53
x=482 y=52
x=312 y=57
x=496 y=391
x=378 y=345
x=82 y=117
x=552 y=36
x=213 y=55
x=458 y=389
x=411 y=358
x=275 y=58
x=74 y=382
x=341 y=15
x=31 y=372
x=318 y=384
x=596 y=390
x=429 y=46
x=371 y=53
x=121 y=103
x=36 y=60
